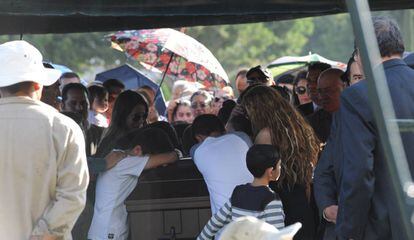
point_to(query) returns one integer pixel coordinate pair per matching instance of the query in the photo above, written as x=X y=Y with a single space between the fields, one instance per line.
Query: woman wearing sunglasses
x=130 y=112
x=300 y=88
x=201 y=103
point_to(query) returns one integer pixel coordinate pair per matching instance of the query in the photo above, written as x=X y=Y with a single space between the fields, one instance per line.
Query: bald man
x=329 y=87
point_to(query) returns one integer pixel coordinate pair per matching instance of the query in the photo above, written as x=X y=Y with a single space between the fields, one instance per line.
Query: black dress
x=298 y=208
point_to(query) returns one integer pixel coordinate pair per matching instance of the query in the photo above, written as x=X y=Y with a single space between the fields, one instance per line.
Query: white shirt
x=222 y=162
x=43 y=170
x=112 y=188
x=97 y=119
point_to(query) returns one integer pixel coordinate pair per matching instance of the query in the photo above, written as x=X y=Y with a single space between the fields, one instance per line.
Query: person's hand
x=113 y=158
x=330 y=213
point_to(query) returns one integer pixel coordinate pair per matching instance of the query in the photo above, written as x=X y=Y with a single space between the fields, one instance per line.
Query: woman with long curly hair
x=275 y=121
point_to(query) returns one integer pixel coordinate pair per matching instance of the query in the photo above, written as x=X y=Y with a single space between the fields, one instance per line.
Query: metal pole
x=163 y=75
x=384 y=115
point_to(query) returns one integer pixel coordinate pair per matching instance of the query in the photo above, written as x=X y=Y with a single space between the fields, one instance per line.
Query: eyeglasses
x=300 y=90
x=196 y=105
x=139 y=117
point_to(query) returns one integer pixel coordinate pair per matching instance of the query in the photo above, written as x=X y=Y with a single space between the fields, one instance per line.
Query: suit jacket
x=366 y=203
x=321 y=121
x=306 y=109
x=325 y=183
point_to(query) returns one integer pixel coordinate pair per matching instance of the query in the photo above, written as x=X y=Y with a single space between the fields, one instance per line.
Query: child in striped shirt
x=252 y=199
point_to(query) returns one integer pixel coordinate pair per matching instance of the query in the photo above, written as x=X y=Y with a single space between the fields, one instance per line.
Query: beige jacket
x=43 y=170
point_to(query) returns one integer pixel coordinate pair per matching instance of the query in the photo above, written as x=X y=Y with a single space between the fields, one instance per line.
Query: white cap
x=245 y=228
x=22 y=62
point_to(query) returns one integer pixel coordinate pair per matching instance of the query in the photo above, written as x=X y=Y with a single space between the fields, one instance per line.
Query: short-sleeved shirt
x=222 y=162
x=112 y=188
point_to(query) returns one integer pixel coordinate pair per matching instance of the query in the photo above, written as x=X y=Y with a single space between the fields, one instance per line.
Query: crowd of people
x=300 y=147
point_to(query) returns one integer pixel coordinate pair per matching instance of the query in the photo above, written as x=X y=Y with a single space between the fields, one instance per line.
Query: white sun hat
x=22 y=62
x=247 y=228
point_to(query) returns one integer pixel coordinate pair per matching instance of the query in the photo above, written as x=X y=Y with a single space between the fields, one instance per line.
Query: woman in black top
x=275 y=121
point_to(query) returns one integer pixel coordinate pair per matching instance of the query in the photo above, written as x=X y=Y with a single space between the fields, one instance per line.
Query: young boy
x=147 y=148
x=254 y=199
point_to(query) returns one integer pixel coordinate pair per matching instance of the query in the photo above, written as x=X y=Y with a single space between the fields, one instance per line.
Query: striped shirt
x=272 y=214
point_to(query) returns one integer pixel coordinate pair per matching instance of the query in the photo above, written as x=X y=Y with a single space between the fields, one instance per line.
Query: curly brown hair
x=290 y=133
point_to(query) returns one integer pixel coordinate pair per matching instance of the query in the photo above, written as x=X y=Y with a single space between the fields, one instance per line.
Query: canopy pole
x=164 y=74
x=384 y=114
x=21 y=36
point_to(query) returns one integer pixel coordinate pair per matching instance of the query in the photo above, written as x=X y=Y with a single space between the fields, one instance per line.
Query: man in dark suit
x=314 y=70
x=358 y=167
x=330 y=86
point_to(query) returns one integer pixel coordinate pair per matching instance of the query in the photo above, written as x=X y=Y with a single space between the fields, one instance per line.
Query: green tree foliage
x=333 y=37
x=235 y=46
x=78 y=51
x=247 y=45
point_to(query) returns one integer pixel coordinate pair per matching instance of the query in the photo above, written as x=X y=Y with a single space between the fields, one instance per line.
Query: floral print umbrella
x=179 y=56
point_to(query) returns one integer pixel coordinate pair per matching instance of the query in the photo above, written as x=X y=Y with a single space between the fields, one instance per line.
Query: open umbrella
x=173 y=53
x=292 y=64
x=133 y=79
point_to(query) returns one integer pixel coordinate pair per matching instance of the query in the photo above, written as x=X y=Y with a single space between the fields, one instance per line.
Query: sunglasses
x=139 y=117
x=300 y=90
x=196 y=105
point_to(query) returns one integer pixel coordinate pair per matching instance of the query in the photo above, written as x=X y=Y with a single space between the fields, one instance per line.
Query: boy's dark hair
x=70 y=86
x=96 y=91
x=151 y=140
x=261 y=157
x=241 y=123
x=206 y=124
x=225 y=111
x=168 y=129
x=108 y=84
x=69 y=75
